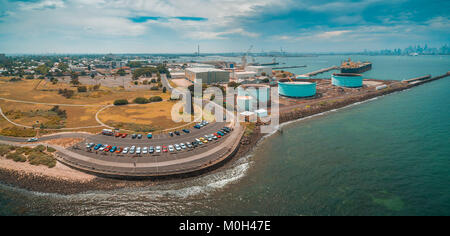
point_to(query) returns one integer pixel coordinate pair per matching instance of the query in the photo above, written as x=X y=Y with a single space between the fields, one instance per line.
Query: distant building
x=207 y=75
x=243 y=75
x=3 y=58
x=260 y=70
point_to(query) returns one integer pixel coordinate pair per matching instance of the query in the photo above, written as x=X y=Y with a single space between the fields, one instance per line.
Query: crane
x=244 y=58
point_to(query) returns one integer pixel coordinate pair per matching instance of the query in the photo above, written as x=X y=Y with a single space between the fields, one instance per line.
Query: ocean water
x=387 y=156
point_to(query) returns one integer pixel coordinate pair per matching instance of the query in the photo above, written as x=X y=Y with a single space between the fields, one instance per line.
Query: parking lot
x=157 y=140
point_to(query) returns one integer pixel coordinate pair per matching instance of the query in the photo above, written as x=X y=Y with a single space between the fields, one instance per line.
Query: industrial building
x=347 y=80
x=243 y=75
x=260 y=70
x=207 y=75
x=297 y=89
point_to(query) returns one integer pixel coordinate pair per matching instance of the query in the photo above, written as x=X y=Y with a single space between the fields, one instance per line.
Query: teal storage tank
x=297 y=89
x=347 y=80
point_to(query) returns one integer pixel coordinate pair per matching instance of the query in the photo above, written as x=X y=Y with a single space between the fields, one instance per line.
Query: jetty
x=417 y=79
x=320 y=71
x=288 y=67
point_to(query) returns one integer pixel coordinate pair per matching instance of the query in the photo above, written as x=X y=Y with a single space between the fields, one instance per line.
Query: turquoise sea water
x=388 y=156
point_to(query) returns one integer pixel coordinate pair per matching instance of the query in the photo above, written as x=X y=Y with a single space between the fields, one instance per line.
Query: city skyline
x=101 y=26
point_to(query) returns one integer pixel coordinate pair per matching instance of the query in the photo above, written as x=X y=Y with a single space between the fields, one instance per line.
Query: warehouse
x=207 y=75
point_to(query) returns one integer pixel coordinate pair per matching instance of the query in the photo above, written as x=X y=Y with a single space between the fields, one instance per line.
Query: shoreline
x=47 y=183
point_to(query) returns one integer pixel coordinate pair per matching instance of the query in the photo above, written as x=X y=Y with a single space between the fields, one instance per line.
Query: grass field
x=77 y=116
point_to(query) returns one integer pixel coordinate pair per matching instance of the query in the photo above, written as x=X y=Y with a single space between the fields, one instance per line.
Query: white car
x=158 y=149
x=125 y=150
x=138 y=150
x=177 y=146
x=30 y=140
x=145 y=150
x=171 y=149
x=183 y=145
x=103 y=147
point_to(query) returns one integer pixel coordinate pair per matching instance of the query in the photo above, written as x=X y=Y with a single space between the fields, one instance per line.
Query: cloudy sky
x=172 y=26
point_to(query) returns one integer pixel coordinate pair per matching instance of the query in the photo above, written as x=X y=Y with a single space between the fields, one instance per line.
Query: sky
x=178 y=26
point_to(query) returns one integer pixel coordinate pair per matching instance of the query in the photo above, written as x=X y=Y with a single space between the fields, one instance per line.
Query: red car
x=119 y=150
x=124 y=135
x=164 y=149
x=218 y=135
x=107 y=149
x=118 y=135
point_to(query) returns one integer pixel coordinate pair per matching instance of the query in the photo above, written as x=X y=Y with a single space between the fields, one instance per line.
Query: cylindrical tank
x=297 y=89
x=259 y=93
x=244 y=103
x=347 y=80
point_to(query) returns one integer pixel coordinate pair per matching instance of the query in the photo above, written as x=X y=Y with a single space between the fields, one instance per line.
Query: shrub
x=96 y=87
x=67 y=93
x=164 y=90
x=39 y=148
x=120 y=102
x=16 y=157
x=29 y=77
x=17 y=132
x=136 y=83
x=154 y=88
x=24 y=150
x=4 y=149
x=156 y=99
x=50 y=149
x=82 y=89
x=39 y=158
x=141 y=100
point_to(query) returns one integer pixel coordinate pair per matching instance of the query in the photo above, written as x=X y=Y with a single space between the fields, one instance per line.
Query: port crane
x=244 y=58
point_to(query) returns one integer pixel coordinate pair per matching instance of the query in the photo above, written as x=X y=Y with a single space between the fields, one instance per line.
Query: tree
x=42 y=70
x=141 y=100
x=120 y=102
x=164 y=90
x=82 y=89
x=63 y=67
x=74 y=79
x=121 y=72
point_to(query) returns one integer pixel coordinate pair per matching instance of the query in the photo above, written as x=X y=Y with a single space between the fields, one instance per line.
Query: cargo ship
x=355 y=67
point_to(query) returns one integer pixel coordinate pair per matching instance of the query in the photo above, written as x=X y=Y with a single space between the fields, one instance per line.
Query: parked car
x=158 y=149
x=189 y=145
x=151 y=150
x=90 y=145
x=177 y=133
x=124 y=135
x=177 y=147
x=171 y=134
x=186 y=131
x=149 y=135
x=125 y=150
x=98 y=146
x=197 y=126
x=138 y=150
x=171 y=149
x=164 y=149
x=134 y=136
x=103 y=147
x=182 y=145
x=118 y=135
x=107 y=149
x=119 y=150
x=139 y=136
x=144 y=150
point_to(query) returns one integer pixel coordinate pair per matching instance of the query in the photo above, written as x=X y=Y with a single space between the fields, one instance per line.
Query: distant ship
x=273 y=63
x=355 y=67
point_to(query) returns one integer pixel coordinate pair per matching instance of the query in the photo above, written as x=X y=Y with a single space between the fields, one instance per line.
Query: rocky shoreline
x=47 y=184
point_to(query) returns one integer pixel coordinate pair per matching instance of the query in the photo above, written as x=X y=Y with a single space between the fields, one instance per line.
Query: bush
x=164 y=90
x=39 y=148
x=120 y=102
x=96 y=87
x=4 y=149
x=51 y=150
x=154 y=88
x=17 y=132
x=67 y=93
x=156 y=99
x=24 y=150
x=29 y=77
x=141 y=100
x=40 y=158
x=82 y=89
x=16 y=157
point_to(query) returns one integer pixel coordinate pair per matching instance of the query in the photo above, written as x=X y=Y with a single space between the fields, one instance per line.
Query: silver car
x=145 y=150
x=171 y=149
x=138 y=150
x=177 y=146
x=183 y=145
x=158 y=149
x=125 y=150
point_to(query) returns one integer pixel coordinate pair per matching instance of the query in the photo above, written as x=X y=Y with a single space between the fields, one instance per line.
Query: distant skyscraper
x=2 y=57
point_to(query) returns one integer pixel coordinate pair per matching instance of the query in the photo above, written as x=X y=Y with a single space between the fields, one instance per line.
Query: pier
x=288 y=67
x=320 y=71
x=417 y=79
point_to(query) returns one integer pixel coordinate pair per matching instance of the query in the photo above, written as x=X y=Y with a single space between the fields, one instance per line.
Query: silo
x=297 y=89
x=347 y=80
